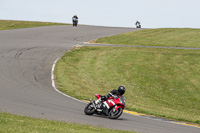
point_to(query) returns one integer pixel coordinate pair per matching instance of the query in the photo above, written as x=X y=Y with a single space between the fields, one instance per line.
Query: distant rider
x=75 y=20
x=114 y=93
x=138 y=24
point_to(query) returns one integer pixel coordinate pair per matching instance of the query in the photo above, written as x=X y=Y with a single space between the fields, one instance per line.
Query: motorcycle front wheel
x=115 y=114
x=89 y=109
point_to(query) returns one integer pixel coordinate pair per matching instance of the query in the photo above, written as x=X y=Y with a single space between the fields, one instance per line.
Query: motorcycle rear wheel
x=115 y=114
x=89 y=109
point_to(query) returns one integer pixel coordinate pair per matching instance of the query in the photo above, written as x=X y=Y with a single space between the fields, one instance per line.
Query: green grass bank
x=20 y=124
x=162 y=82
x=172 y=37
x=11 y=24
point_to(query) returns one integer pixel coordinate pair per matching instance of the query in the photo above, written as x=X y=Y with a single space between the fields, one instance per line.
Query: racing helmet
x=121 y=90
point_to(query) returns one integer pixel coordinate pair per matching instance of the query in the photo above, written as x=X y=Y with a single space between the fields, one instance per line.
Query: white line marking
x=54 y=86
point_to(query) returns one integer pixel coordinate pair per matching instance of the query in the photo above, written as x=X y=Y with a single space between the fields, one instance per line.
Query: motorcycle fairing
x=98 y=96
x=105 y=107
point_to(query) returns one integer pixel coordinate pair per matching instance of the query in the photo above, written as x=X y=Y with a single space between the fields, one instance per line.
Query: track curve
x=27 y=56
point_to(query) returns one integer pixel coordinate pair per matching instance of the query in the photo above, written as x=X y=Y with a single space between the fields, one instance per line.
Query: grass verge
x=162 y=82
x=20 y=124
x=172 y=37
x=10 y=24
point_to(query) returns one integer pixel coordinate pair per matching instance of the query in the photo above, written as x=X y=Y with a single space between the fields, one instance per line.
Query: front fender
x=116 y=107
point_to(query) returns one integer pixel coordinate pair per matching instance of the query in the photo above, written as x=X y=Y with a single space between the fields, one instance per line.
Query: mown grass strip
x=10 y=24
x=172 y=37
x=20 y=124
x=161 y=82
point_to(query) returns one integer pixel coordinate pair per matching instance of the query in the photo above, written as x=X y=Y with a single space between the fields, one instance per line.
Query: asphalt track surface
x=26 y=58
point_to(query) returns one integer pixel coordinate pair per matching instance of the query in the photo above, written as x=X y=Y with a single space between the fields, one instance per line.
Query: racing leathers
x=114 y=93
x=75 y=20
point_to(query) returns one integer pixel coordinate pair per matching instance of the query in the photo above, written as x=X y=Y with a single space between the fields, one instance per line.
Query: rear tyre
x=115 y=114
x=89 y=109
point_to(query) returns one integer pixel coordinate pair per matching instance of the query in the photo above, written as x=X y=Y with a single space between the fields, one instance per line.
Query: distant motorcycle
x=138 y=26
x=75 y=20
x=112 y=107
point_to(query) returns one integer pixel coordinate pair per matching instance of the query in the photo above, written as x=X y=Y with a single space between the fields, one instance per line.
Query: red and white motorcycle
x=112 y=107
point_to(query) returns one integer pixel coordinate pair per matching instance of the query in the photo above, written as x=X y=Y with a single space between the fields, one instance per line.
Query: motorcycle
x=138 y=26
x=75 y=21
x=112 y=107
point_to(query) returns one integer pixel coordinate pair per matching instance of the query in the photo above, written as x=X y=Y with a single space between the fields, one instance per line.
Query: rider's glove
x=115 y=96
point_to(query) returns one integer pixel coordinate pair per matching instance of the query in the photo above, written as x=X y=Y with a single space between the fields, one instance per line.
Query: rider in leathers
x=114 y=93
x=75 y=20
